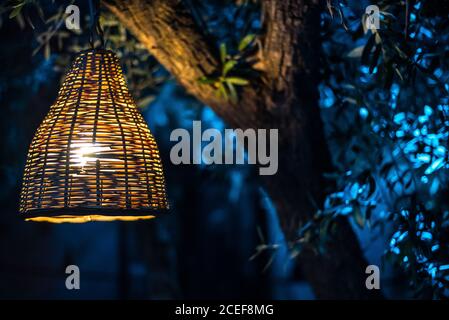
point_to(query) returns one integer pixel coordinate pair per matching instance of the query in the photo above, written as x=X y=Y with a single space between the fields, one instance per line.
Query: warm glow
x=93 y=158
x=88 y=218
x=82 y=153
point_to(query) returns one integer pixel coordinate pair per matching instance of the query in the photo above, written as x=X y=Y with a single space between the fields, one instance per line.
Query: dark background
x=219 y=214
x=201 y=249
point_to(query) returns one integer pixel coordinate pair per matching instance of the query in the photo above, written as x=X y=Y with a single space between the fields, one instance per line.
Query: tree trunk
x=285 y=97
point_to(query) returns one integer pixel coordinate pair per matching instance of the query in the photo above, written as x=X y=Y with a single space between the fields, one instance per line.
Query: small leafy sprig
x=232 y=68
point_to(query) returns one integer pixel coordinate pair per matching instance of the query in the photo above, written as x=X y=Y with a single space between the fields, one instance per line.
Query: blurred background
x=201 y=249
x=384 y=104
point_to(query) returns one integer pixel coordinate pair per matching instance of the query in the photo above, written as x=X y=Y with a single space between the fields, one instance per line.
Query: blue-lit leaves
x=327 y=97
x=422 y=138
x=399 y=118
x=385 y=102
x=358 y=199
x=425 y=235
x=394 y=93
x=423 y=31
x=364 y=113
x=421 y=242
x=434 y=187
x=435 y=247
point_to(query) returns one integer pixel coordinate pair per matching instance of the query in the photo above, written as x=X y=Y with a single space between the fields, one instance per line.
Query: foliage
x=225 y=81
x=384 y=99
x=143 y=73
x=234 y=25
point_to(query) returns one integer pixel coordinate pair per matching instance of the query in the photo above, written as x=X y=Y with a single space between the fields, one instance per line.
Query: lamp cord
x=95 y=28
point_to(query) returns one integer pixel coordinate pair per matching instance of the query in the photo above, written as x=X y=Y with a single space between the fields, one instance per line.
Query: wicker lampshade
x=93 y=158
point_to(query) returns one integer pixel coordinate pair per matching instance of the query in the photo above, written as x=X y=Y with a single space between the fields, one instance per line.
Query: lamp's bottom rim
x=83 y=214
x=86 y=218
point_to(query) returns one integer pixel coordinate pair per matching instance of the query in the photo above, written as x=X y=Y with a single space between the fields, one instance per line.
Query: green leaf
x=228 y=66
x=47 y=52
x=350 y=100
x=388 y=14
x=364 y=17
x=222 y=91
x=359 y=217
x=145 y=101
x=40 y=11
x=232 y=92
x=237 y=81
x=223 y=52
x=402 y=54
x=367 y=50
x=28 y=19
x=206 y=80
x=356 y=52
x=246 y=41
x=398 y=72
x=14 y=13
x=378 y=38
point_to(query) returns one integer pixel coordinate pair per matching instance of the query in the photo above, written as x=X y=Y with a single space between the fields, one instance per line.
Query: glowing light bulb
x=82 y=153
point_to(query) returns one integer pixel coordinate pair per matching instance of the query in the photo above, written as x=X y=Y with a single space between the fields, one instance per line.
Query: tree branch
x=292 y=47
x=168 y=30
x=286 y=98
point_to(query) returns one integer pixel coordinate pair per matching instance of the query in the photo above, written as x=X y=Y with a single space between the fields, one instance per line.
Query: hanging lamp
x=93 y=158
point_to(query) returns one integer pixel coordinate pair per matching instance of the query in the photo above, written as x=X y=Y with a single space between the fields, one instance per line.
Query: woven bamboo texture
x=93 y=157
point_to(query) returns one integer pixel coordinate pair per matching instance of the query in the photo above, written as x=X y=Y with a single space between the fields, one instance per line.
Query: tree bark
x=285 y=97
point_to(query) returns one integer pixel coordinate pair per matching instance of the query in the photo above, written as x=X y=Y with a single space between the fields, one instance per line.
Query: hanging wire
x=95 y=28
